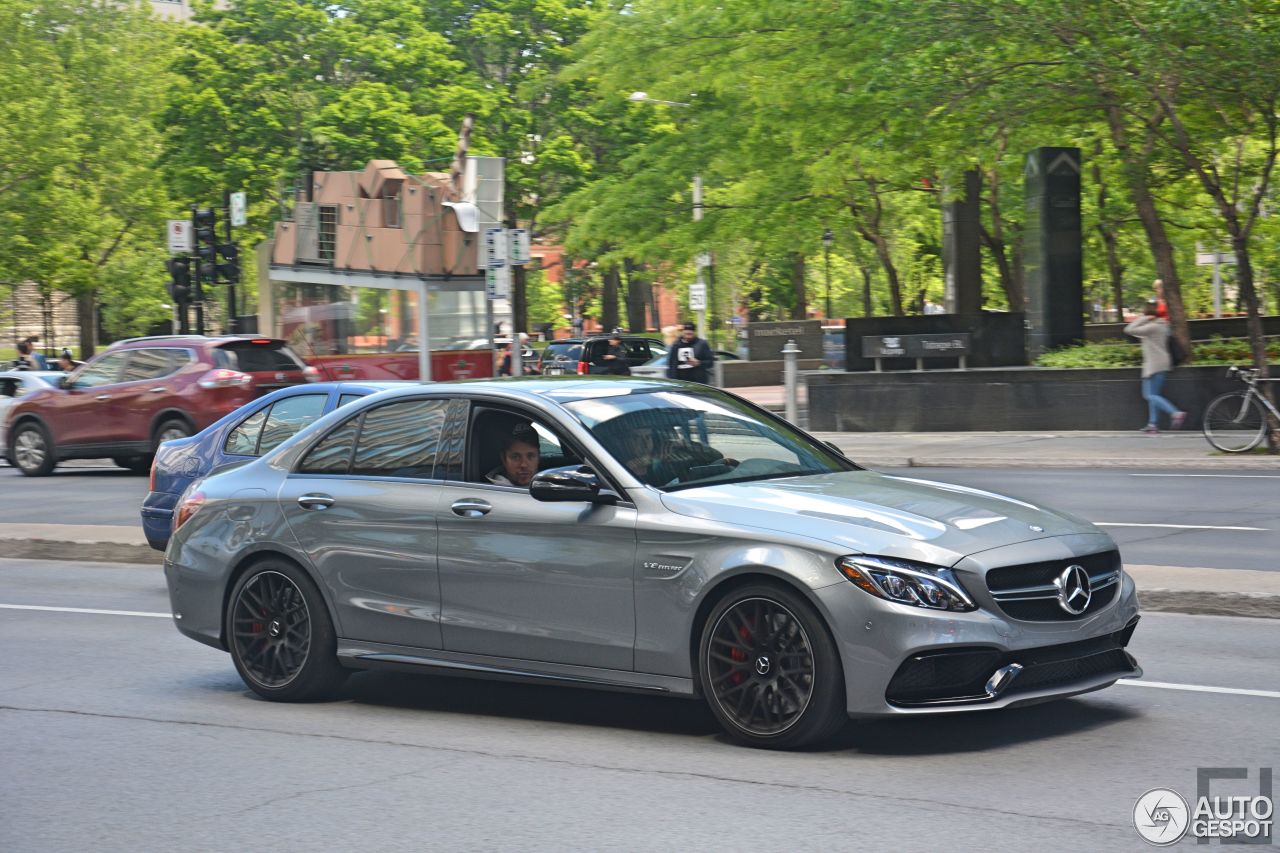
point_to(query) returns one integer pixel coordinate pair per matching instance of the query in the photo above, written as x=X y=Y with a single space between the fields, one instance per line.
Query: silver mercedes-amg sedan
x=643 y=535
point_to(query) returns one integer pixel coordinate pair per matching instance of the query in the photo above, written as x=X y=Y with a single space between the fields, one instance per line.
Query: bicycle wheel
x=1235 y=422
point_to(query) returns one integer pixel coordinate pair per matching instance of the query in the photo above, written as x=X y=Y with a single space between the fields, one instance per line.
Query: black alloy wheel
x=769 y=669
x=31 y=450
x=280 y=636
x=135 y=464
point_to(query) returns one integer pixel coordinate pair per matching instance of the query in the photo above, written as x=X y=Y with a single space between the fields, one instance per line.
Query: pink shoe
x=1179 y=418
x=1150 y=429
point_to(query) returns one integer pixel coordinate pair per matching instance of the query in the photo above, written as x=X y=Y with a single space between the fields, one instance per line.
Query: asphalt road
x=1195 y=513
x=116 y=733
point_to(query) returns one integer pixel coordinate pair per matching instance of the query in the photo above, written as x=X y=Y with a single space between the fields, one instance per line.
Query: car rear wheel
x=172 y=429
x=280 y=636
x=769 y=669
x=32 y=450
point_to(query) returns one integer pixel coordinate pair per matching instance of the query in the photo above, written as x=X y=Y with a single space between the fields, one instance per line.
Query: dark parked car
x=246 y=433
x=672 y=539
x=576 y=355
x=124 y=402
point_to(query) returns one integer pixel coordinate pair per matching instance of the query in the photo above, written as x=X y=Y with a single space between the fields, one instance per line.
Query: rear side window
x=401 y=439
x=249 y=357
x=333 y=454
x=270 y=426
x=147 y=364
x=348 y=398
x=243 y=440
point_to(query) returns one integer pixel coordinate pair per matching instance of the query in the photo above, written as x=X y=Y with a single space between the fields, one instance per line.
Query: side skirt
x=357 y=655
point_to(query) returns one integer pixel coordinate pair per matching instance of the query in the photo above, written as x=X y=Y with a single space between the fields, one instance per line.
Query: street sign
x=518 y=246
x=697 y=297
x=1206 y=259
x=497 y=282
x=495 y=247
x=238 y=217
x=179 y=235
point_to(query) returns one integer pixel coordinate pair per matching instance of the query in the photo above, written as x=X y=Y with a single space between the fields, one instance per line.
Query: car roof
x=558 y=389
x=191 y=340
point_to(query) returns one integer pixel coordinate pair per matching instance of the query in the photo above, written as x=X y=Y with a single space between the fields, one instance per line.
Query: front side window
x=679 y=439
x=101 y=372
x=333 y=454
x=400 y=439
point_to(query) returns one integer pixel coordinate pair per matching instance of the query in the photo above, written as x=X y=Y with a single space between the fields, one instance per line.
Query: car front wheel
x=32 y=450
x=769 y=669
x=280 y=636
x=172 y=430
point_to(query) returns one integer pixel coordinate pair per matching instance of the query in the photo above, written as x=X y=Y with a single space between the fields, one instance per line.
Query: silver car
x=675 y=540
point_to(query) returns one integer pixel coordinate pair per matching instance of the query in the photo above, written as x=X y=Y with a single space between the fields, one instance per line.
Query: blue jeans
x=1151 y=386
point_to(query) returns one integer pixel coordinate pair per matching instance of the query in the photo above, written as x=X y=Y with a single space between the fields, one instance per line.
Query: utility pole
x=229 y=265
x=827 y=239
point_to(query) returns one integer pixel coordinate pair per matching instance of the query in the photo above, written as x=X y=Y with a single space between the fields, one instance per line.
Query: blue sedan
x=246 y=433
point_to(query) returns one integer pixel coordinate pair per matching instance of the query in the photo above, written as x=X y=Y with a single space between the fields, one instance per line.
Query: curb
x=1151 y=600
x=1171 y=463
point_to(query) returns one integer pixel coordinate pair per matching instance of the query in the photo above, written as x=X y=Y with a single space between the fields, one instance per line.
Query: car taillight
x=224 y=377
x=583 y=368
x=311 y=374
x=187 y=508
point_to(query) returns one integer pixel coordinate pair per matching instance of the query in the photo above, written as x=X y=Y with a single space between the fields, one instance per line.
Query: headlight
x=917 y=584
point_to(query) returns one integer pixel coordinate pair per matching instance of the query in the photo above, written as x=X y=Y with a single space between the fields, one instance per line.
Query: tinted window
x=348 y=398
x=243 y=440
x=562 y=351
x=333 y=454
x=288 y=416
x=258 y=358
x=147 y=364
x=401 y=439
x=100 y=372
x=9 y=387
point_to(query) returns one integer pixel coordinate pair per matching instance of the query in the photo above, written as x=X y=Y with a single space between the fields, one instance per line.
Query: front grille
x=960 y=675
x=1027 y=592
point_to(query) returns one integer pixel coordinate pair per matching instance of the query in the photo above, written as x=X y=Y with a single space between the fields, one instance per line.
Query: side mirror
x=65 y=383
x=831 y=445
x=573 y=483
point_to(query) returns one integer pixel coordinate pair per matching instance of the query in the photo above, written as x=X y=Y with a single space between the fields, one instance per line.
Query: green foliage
x=1117 y=354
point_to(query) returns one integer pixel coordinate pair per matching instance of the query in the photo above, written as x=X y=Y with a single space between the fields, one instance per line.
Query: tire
x=782 y=690
x=280 y=636
x=169 y=430
x=135 y=464
x=32 y=450
x=1235 y=422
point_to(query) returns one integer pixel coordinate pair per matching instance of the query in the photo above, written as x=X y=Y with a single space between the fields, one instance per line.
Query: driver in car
x=520 y=455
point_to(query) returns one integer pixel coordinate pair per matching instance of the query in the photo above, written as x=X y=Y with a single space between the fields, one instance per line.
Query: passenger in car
x=519 y=454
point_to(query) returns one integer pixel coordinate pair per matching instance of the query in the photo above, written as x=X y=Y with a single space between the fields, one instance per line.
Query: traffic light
x=179 y=286
x=229 y=268
x=206 y=223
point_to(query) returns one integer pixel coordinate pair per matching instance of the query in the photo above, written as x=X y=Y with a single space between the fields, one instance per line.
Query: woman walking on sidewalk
x=1153 y=332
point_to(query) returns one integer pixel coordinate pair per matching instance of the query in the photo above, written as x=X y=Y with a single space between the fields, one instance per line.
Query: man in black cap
x=690 y=357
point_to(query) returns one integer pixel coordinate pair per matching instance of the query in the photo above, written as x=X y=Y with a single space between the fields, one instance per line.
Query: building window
x=328 y=235
x=391 y=211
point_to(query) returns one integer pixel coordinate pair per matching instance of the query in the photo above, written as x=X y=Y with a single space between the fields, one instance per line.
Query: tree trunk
x=1106 y=230
x=866 y=290
x=637 y=297
x=994 y=239
x=800 y=305
x=609 y=299
x=868 y=228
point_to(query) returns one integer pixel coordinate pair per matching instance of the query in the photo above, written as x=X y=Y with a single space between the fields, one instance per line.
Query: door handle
x=470 y=507
x=158 y=390
x=315 y=501
x=103 y=397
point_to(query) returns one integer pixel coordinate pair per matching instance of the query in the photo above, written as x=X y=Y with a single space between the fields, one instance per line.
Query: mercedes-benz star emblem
x=1074 y=592
x=762 y=665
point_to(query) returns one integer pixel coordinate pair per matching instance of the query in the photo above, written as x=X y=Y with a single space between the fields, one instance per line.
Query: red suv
x=141 y=392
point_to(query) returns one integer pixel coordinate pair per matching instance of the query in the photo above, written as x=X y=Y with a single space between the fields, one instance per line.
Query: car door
x=361 y=504
x=143 y=391
x=530 y=580
x=82 y=415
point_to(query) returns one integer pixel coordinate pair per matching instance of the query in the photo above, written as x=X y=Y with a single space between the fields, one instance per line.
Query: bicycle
x=1236 y=422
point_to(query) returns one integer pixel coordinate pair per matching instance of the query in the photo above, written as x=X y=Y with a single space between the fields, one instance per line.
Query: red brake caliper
x=740 y=655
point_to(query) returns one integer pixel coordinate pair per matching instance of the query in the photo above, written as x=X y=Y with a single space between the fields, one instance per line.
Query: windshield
x=681 y=439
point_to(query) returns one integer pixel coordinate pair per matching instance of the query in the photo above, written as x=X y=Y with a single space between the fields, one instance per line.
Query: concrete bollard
x=789 y=354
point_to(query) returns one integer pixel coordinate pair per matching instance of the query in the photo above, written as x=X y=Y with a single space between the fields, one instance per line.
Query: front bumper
x=904 y=660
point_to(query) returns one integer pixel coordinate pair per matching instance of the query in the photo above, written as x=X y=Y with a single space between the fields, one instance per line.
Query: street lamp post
x=827 y=239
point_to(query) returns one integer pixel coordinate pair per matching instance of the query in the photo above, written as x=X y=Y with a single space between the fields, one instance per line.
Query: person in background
x=1153 y=333
x=504 y=366
x=520 y=455
x=1162 y=310
x=28 y=358
x=66 y=362
x=612 y=360
x=690 y=357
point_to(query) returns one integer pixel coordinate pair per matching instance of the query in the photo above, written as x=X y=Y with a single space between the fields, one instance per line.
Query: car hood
x=873 y=513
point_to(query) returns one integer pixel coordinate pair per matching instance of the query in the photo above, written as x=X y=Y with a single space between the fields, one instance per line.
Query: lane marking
x=85 y=610
x=1178 y=526
x=1199 y=688
x=1228 y=476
